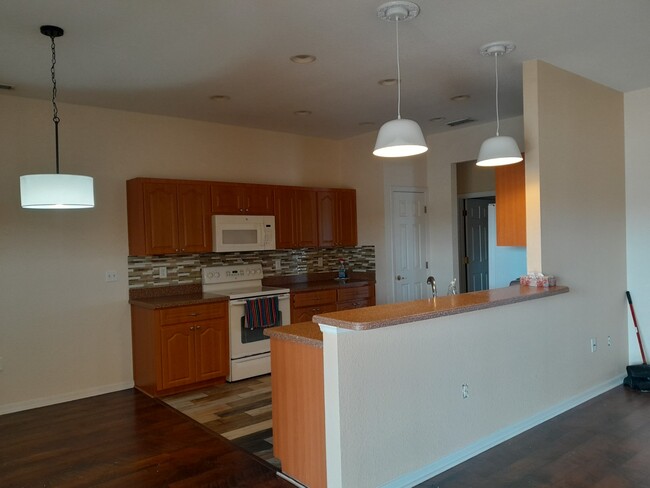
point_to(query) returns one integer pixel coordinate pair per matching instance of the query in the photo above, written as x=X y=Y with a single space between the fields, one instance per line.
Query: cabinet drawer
x=353 y=294
x=191 y=313
x=313 y=298
x=354 y=304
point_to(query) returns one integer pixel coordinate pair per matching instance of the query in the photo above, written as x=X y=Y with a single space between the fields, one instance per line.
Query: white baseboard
x=64 y=397
x=443 y=464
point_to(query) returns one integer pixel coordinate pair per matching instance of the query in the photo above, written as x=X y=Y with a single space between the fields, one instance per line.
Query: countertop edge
x=433 y=308
x=307 y=333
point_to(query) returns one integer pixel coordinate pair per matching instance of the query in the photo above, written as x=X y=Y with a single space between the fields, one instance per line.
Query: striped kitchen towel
x=261 y=312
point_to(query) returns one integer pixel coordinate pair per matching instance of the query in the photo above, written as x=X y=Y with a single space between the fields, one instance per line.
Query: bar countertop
x=405 y=312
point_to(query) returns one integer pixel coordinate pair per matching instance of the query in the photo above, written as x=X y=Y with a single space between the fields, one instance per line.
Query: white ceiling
x=169 y=56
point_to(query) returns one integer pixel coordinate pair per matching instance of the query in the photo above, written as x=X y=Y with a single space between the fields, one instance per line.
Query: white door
x=409 y=246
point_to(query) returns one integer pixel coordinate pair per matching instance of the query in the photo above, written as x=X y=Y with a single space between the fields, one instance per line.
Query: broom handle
x=638 y=336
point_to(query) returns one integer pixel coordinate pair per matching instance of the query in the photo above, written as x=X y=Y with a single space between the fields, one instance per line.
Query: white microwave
x=232 y=233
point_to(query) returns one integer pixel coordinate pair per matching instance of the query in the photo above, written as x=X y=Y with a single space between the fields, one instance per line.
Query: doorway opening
x=473 y=243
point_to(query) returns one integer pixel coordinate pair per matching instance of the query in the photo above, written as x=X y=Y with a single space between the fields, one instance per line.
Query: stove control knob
x=210 y=275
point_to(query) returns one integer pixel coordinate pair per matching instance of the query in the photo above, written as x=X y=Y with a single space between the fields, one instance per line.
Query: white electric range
x=250 y=349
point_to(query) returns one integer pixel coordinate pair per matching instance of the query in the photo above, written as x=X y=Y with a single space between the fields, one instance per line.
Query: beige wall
x=398 y=389
x=637 y=177
x=474 y=179
x=64 y=332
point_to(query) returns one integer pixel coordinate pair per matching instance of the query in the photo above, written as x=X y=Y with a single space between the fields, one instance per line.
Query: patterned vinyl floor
x=240 y=412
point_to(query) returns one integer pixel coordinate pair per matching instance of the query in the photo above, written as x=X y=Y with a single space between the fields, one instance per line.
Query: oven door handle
x=243 y=302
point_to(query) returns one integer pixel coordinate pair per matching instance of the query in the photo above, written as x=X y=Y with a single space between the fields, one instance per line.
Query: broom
x=638 y=375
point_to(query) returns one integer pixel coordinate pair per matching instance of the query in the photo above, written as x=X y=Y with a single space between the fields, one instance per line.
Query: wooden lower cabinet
x=299 y=411
x=304 y=305
x=180 y=348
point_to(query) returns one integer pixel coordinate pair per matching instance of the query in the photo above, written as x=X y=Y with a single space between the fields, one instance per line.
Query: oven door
x=245 y=342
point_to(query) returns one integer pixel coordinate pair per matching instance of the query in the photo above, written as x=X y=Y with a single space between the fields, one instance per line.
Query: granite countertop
x=307 y=333
x=172 y=296
x=327 y=285
x=405 y=312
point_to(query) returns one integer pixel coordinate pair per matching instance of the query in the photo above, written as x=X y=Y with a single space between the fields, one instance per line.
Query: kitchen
x=85 y=348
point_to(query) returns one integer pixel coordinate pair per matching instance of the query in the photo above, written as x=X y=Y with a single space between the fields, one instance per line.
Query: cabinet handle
x=198 y=327
x=194 y=314
x=315 y=309
x=192 y=328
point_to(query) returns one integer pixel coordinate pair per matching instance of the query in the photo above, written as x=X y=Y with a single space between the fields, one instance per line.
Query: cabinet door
x=211 y=347
x=194 y=221
x=258 y=200
x=305 y=314
x=306 y=218
x=178 y=365
x=510 y=183
x=226 y=199
x=160 y=218
x=346 y=218
x=327 y=219
x=284 y=218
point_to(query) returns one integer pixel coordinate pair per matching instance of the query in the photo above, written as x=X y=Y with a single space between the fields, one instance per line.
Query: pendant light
x=56 y=191
x=399 y=137
x=499 y=150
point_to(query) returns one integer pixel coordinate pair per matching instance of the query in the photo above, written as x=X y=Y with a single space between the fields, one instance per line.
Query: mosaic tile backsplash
x=182 y=269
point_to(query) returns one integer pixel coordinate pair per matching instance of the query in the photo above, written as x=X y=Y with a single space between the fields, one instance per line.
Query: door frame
x=461 y=271
x=388 y=231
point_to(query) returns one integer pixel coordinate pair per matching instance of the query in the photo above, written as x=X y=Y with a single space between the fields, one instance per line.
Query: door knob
x=400 y=277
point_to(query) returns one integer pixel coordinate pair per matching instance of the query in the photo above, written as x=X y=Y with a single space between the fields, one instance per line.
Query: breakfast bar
x=365 y=371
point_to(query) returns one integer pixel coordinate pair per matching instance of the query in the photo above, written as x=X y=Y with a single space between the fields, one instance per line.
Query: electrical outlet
x=278 y=263
x=162 y=272
x=609 y=341
x=111 y=276
x=594 y=344
x=320 y=262
x=465 y=390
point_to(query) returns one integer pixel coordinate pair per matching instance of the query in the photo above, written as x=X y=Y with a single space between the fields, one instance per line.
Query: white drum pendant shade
x=398 y=138
x=499 y=151
x=49 y=191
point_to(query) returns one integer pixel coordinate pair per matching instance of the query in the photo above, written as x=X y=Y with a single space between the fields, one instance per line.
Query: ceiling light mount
x=498 y=48
x=398 y=10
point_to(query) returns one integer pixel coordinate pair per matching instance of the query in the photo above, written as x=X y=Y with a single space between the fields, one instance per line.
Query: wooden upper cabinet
x=306 y=218
x=194 y=224
x=168 y=216
x=337 y=218
x=511 y=204
x=239 y=198
x=296 y=214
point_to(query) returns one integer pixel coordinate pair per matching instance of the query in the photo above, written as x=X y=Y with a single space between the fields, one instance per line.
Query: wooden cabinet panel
x=328 y=231
x=347 y=217
x=160 y=218
x=211 y=348
x=355 y=297
x=180 y=348
x=177 y=356
x=168 y=216
x=195 y=227
x=306 y=218
x=307 y=304
x=285 y=227
x=511 y=204
x=297 y=390
x=239 y=198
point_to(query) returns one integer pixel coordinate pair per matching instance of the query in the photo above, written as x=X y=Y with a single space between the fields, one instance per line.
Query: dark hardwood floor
x=126 y=439
x=121 y=439
x=603 y=443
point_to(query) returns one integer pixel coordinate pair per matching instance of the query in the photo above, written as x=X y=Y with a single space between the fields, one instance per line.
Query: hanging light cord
x=496 y=75
x=55 y=118
x=399 y=76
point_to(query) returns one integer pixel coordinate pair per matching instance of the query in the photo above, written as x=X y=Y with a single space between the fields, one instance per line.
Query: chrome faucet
x=432 y=281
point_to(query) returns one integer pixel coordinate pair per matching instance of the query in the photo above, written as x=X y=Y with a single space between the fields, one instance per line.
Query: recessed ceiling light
x=303 y=58
x=302 y=113
x=436 y=119
x=220 y=98
x=387 y=82
x=460 y=98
